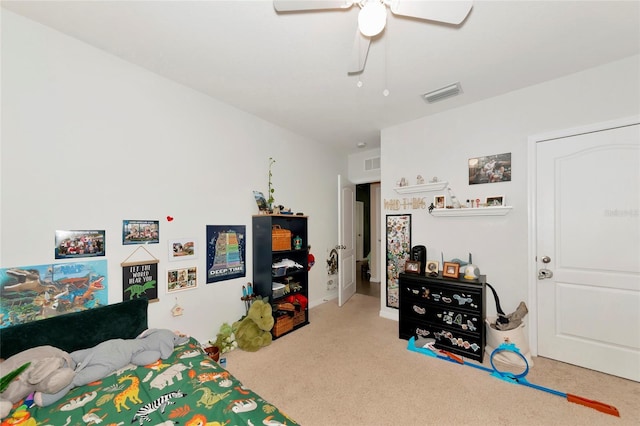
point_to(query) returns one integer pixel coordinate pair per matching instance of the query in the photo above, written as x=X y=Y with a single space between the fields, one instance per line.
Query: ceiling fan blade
x=451 y=12
x=298 y=5
x=359 y=53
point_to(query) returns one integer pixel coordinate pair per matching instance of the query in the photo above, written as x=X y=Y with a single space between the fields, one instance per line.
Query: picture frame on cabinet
x=432 y=268
x=439 y=201
x=412 y=266
x=451 y=270
x=495 y=201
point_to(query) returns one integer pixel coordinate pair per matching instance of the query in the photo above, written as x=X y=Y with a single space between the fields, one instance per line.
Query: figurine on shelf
x=403 y=182
x=434 y=179
x=420 y=180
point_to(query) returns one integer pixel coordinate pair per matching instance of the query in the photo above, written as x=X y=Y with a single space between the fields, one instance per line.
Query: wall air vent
x=442 y=93
x=372 y=163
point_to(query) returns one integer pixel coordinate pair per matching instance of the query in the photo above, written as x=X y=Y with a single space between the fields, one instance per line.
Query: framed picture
x=182 y=279
x=182 y=249
x=490 y=169
x=263 y=207
x=439 y=201
x=432 y=268
x=451 y=270
x=72 y=244
x=140 y=232
x=495 y=201
x=412 y=266
x=225 y=252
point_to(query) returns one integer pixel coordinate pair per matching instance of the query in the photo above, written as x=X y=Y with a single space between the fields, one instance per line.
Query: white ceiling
x=291 y=69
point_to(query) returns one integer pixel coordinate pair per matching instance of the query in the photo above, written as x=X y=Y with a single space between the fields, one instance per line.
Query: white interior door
x=588 y=233
x=346 y=240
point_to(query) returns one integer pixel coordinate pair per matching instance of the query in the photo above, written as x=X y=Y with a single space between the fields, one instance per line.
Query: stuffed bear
x=254 y=330
x=105 y=358
x=50 y=370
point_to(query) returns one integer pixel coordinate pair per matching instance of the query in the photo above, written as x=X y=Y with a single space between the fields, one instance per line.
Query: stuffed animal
x=254 y=330
x=105 y=358
x=50 y=370
x=225 y=339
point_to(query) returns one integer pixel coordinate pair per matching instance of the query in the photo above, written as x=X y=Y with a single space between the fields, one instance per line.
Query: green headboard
x=77 y=330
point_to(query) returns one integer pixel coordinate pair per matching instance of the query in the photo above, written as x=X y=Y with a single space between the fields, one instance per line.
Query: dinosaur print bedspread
x=186 y=389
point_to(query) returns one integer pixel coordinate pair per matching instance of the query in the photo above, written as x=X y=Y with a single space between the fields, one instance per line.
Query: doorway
x=368 y=281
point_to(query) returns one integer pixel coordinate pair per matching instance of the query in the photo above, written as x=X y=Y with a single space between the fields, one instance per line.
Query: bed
x=188 y=388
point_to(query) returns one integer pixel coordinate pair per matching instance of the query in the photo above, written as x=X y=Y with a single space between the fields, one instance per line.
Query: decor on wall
x=398 y=252
x=182 y=279
x=140 y=277
x=73 y=244
x=140 y=232
x=439 y=201
x=182 y=249
x=35 y=292
x=490 y=169
x=225 y=252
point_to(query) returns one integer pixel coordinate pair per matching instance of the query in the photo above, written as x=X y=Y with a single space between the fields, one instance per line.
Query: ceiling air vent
x=442 y=93
x=372 y=163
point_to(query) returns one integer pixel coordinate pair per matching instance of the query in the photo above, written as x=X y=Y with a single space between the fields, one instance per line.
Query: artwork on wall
x=490 y=169
x=140 y=232
x=74 y=244
x=182 y=249
x=140 y=277
x=182 y=279
x=35 y=292
x=398 y=252
x=225 y=252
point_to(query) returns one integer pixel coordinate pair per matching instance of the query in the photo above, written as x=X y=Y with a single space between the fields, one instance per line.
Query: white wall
x=440 y=145
x=89 y=140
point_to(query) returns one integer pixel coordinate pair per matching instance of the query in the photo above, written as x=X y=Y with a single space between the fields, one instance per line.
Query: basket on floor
x=283 y=324
x=299 y=316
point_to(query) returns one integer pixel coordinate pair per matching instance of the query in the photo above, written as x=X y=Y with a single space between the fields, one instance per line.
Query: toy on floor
x=254 y=330
x=426 y=347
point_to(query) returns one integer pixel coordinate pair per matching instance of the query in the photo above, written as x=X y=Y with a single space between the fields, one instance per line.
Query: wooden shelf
x=481 y=211
x=425 y=187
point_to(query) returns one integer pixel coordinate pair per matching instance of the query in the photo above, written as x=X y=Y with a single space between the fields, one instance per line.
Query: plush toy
x=50 y=370
x=254 y=330
x=105 y=358
x=225 y=339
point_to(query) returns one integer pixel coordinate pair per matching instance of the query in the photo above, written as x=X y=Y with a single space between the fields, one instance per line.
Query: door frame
x=532 y=265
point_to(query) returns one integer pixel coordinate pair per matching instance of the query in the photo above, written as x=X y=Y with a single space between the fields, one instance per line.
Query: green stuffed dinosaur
x=254 y=330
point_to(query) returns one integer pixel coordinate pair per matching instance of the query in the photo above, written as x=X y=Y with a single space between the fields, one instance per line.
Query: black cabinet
x=448 y=310
x=280 y=282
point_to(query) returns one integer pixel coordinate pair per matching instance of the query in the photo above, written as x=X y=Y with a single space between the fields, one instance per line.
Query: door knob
x=546 y=259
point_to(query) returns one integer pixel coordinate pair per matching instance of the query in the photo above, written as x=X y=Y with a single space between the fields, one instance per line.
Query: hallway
x=363 y=285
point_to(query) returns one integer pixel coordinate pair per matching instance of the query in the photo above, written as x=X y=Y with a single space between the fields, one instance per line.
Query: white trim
x=531 y=210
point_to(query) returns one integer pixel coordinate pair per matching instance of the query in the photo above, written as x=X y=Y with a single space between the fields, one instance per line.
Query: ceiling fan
x=372 y=17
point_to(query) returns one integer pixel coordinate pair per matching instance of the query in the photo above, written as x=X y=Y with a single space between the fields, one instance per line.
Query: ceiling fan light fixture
x=372 y=18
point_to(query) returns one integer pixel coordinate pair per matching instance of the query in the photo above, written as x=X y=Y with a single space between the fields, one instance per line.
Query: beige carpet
x=348 y=367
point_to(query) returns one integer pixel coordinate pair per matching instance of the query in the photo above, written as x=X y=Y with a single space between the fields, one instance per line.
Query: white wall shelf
x=425 y=187
x=481 y=211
